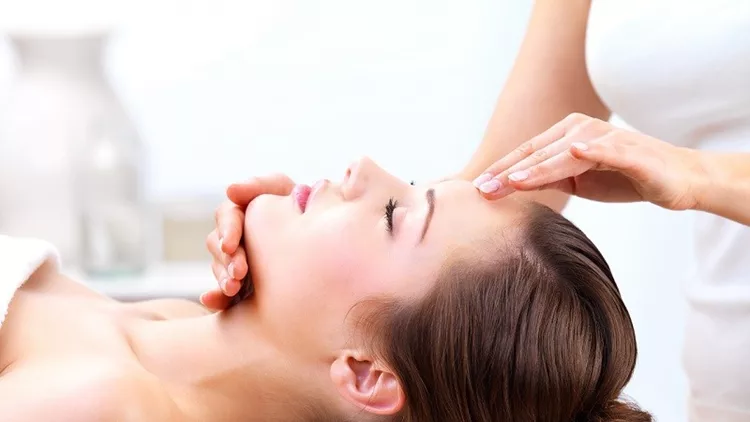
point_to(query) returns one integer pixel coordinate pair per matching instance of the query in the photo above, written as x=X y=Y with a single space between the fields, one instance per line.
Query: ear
x=368 y=385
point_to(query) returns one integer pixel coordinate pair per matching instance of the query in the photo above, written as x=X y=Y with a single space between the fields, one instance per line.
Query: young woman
x=674 y=71
x=373 y=300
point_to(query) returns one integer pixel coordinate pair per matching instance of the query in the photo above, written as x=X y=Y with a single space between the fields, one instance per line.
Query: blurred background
x=162 y=104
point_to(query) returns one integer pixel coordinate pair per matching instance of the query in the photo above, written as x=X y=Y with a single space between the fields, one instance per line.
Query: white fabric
x=680 y=71
x=19 y=258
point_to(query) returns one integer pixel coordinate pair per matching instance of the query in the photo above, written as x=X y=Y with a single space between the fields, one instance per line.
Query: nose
x=359 y=176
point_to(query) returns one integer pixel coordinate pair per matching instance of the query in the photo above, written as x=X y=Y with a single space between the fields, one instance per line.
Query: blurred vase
x=70 y=159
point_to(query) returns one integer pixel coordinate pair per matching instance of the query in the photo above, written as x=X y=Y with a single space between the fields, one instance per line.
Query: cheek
x=338 y=251
x=263 y=219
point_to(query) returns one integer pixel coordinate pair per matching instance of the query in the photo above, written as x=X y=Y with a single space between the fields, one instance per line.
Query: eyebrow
x=430 y=195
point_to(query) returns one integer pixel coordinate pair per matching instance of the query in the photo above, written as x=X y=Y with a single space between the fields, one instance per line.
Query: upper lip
x=315 y=189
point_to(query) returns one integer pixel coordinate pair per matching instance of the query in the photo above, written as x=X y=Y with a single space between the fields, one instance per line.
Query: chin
x=263 y=219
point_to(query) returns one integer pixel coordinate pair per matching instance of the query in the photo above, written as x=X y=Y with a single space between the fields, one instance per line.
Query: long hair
x=536 y=333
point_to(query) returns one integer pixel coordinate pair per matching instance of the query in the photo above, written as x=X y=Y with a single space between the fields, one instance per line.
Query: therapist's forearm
x=548 y=81
x=726 y=191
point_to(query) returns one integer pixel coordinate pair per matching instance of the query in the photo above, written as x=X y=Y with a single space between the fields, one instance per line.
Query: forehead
x=465 y=224
x=463 y=216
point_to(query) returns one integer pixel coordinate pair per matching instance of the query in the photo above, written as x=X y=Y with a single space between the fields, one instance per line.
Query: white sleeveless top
x=680 y=71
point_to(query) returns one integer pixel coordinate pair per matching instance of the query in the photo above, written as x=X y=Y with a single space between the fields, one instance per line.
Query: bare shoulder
x=105 y=394
x=169 y=308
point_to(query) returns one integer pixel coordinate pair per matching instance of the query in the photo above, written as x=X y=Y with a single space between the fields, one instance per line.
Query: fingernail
x=235 y=287
x=224 y=284
x=202 y=297
x=230 y=270
x=491 y=186
x=221 y=244
x=479 y=181
x=519 y=176
x=580 y=145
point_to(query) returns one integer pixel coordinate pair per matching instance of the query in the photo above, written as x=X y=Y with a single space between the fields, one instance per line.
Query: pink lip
x=301 y=194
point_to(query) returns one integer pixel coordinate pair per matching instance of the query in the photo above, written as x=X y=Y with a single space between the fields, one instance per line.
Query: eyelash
x=389 y=208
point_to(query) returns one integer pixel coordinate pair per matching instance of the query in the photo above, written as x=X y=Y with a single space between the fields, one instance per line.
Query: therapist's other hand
x=592 y=159
x=230 y=264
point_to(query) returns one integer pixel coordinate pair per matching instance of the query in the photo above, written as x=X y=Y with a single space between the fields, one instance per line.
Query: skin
x=592 y=159
x=547 y=95
x=548 y=81
x=291 y=343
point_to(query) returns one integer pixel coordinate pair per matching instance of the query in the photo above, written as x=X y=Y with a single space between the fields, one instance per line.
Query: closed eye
x=389 y=208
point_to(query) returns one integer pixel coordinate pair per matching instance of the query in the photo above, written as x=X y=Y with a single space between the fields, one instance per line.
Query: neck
x=220 y=367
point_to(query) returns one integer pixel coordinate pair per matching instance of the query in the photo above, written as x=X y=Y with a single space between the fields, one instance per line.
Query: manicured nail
x=224 y=283
x=221 y=244
x=519 y=176
x=580 y=146
x=491 y=186
x=230 y=270
x=202 y=298
x=235 y=287
x=479 y=181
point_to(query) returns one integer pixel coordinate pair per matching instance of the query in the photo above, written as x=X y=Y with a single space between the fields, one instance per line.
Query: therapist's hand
x=224 y=243
x=592 y=159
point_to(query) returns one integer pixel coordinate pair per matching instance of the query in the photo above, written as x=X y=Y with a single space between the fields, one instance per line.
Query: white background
x=224 y=90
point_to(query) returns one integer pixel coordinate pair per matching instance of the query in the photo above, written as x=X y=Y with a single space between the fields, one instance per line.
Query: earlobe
x=366 y=384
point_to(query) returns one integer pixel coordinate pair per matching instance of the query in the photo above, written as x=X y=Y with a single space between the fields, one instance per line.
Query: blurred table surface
x=184 y=280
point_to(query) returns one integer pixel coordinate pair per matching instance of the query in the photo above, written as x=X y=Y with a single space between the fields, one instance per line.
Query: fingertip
x=231 y=287
x=482 y=179
x=214 y=299
x=232 y=189
x=239 y=268
x=500 y=193
x=240 y=193
x=229 y=241
x=580 y=146
x=579 y=149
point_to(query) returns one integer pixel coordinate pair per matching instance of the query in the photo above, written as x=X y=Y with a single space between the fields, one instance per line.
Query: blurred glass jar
x=71 y=164
x=109 y=190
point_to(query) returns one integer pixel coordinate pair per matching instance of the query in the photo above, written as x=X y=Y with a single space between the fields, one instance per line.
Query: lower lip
x=301 y=194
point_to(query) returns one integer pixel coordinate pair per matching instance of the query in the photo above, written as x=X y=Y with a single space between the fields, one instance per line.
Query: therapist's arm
x=726 y=191
x=548 y=81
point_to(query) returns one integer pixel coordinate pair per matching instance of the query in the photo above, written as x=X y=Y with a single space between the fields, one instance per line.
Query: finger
x=499 y=185
x=222 y=277
x=527 y=149
x=214 y=245
x=215 y=299
x=275 y=184
x=230 y=220
x=565 y=185
x=550 y=152
x=237 y=267
x=232 y=287
x=559 y=167
x=606 y=154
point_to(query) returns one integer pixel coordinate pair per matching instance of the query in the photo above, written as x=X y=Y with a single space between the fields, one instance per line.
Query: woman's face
x=312 y=264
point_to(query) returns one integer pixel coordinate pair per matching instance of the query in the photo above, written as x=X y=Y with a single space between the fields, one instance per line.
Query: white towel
x=19 y=258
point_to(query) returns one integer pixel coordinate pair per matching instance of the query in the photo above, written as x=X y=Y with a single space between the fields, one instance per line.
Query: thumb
x=275 y=184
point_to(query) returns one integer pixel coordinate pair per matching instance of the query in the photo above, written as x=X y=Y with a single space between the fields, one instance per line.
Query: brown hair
x=537 y=333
